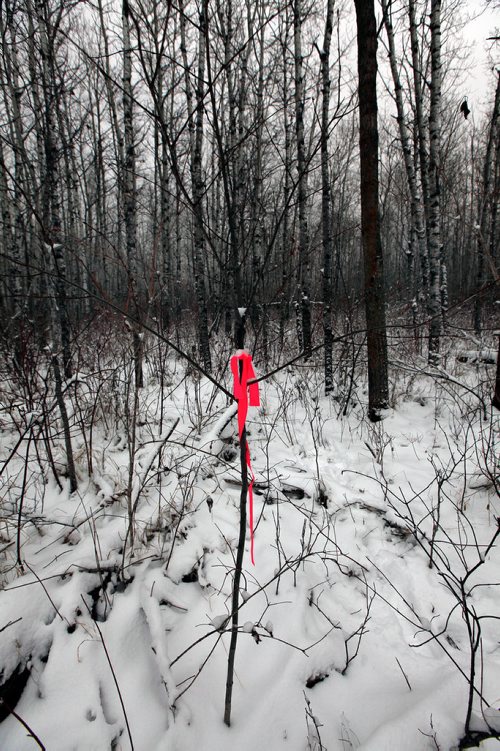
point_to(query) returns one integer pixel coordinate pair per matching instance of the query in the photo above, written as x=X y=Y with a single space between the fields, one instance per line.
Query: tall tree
x=195 y=123
x=488 y=205
x=418 y=238
x=378 y=387
x=130 y=192
x=11 y=211
x=435 y=246
x=48 y=19
x=287 y=178
x=304 y=301
x=420 y=130
x=326 y=200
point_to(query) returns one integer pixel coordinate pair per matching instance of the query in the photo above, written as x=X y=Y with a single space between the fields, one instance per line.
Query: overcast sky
x=485 y=54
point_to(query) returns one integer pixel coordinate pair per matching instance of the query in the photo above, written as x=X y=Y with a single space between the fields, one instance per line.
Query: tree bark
x=304 y=301
x=486 y=209
x=435 y=250
x=195 y=124
x=13 y=233
x=73 y=484
x=418 y=239
x=326 y=201
x=378 y=389
x=130 y=194
x=51 y=202
x=422 y=140
x=286 y=240
x=496 y=394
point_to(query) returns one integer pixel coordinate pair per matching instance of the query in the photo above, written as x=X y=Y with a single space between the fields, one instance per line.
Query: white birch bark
x=304 y=301
x=326 y=200
x=434 y=307
x=130 y=193
x=418 y=239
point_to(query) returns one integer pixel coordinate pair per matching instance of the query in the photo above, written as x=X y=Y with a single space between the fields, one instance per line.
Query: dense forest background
x=189 y=561
x=177 y=162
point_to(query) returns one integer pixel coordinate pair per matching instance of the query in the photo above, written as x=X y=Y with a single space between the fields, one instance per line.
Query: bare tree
x=418 y=239
x=421 y=130
x=130 y=193
x=326 y=206
x=196 y=134
x=435 y=244
x=378 y=388
x=488 y=206
x=304 y=301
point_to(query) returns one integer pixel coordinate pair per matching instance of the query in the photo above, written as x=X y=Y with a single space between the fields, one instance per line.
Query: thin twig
x=31 y=732
x=112 y=673
x=404 y=674
x=47 y=593
x=10 y=623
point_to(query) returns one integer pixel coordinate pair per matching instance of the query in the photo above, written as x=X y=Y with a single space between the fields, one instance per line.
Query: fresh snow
x=348 y=638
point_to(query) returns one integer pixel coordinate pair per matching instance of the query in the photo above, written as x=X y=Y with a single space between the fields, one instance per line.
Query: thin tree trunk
x=166 y=229
x=496 y=395
x=303 y=248
x=12 y=304
x=195 y=125
x=238 y=569
x=52 y=188
x=228 y=170
x=37 y=284
x=73 y=485
x=198 y=193
x=116 y=131
x=434 y=306
x=130 y=194
x=418 y=240
x=257 y=225
x=486 y=207
x=12 y=215
x=287 y=188
x=326 y=201
x=378 y=388
x=422 y=140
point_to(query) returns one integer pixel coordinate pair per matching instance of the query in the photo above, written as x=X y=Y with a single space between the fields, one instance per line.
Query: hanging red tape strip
x=247 y=395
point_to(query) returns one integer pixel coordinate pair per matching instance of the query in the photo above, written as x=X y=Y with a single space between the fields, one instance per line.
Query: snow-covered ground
x=375 y=579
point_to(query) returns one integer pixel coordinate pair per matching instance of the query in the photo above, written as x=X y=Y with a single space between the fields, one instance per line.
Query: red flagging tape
x=246 y=394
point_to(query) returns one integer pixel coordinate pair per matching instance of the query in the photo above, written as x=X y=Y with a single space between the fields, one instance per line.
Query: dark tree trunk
x=73 y=484
x=198 y=193
x=326 y=202
x=436 y=277
x=421 y=136
x=51 y=184
x=287 y=187
x=418 y=238
x=305 y=333
x=496 y=396
x=486 y=209
x=378 y=390
x=130 y=194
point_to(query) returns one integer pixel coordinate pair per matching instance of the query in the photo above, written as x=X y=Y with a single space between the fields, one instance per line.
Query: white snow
x=348 y=638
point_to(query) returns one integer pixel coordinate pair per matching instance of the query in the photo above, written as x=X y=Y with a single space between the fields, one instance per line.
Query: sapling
x=237 y=577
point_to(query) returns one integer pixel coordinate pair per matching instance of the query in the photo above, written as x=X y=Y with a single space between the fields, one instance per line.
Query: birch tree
x=435 y=245
x=304 y=301
x=196 y=135
x=326 y=200
x=130 y=193
x=488 y=207
x=418 y=238
x=11 y=196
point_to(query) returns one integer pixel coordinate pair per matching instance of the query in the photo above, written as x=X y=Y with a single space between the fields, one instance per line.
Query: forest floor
x=370 y=619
